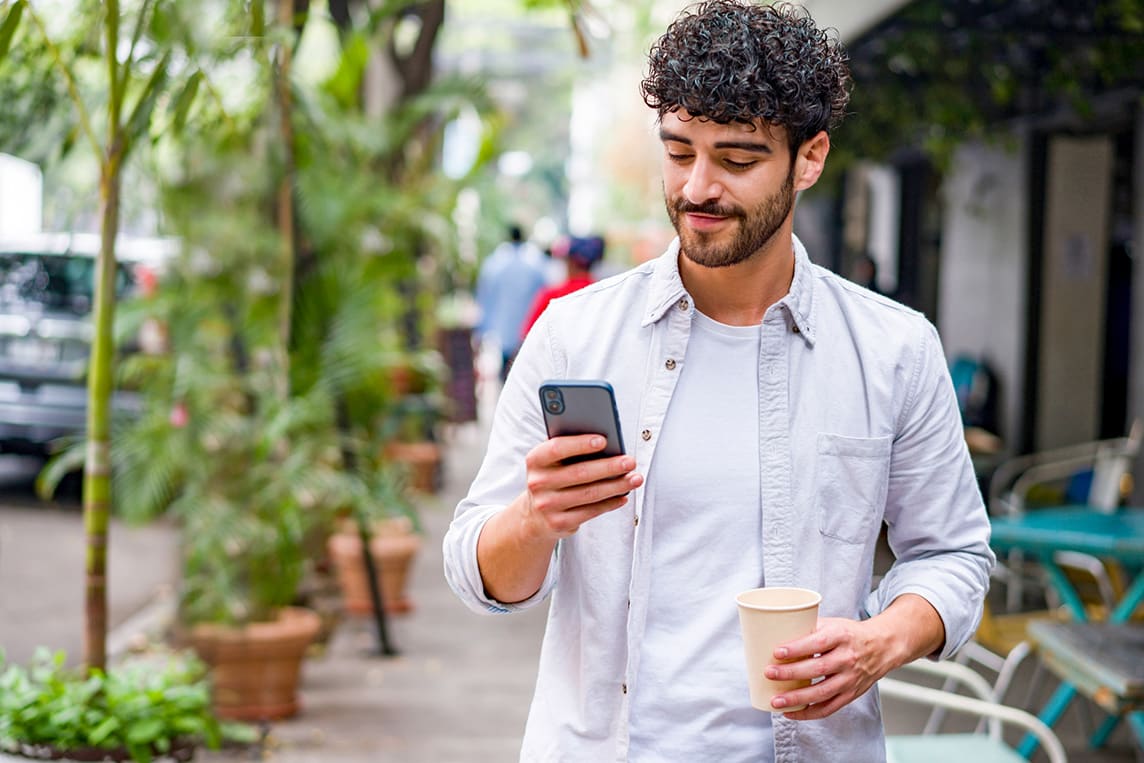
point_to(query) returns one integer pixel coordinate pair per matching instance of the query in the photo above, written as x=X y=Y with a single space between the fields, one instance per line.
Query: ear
x=810 y=160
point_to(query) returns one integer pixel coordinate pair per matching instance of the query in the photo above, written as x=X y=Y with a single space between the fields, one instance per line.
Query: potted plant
x=266 y=481
x=384 y=510
x=410 y=425
x=154 y=710
x=242 y=453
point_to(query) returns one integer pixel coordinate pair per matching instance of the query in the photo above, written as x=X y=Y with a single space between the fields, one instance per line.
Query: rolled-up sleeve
x=937 y=525
x=516 y=429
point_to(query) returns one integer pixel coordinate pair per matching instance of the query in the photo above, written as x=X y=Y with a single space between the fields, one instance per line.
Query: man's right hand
x=560 y=497
x=516 y=544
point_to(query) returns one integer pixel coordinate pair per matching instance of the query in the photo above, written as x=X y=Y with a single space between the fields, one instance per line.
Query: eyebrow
x=743 y=145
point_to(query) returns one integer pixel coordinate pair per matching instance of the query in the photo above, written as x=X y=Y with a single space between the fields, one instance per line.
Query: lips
x=702 y=222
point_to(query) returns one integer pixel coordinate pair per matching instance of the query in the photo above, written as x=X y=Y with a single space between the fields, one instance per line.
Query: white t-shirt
x=703 y=500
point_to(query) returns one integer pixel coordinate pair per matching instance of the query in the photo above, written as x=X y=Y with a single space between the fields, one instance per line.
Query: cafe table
x=1117 y=536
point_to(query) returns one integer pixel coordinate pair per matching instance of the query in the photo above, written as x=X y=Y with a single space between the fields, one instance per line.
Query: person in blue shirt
x=507 y=283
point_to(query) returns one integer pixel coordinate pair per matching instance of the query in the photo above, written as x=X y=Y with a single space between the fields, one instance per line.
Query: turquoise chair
x=984 y=746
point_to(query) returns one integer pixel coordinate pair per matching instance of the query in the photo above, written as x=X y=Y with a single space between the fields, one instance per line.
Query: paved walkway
x=42 y=568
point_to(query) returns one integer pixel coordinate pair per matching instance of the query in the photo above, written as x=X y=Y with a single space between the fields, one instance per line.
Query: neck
x=739 y=295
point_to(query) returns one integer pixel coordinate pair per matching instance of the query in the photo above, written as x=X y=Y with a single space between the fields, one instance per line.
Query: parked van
x=47 y=287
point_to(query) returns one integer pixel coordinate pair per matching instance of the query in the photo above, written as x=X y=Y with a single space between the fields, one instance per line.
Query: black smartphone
x=573 y=406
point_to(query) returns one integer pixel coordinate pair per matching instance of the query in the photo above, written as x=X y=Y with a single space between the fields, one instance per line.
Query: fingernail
x=779 y=702
x=781 y=653
x=597 y=442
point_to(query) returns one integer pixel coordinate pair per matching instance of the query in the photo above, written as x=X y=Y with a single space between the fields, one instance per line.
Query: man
x=776 y=416
x=580 y=255
x=507 y=283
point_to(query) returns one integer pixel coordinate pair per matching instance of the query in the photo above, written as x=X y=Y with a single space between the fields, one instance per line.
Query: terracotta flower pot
x=393 y=553
x=422 y=461
x=255 y=668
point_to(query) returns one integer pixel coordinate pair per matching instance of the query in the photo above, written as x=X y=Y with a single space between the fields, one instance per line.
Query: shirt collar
x=799 y=300
x=667 y=289
x=666 y=285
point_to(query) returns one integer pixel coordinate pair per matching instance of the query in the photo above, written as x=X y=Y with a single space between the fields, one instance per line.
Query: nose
x=702 y=184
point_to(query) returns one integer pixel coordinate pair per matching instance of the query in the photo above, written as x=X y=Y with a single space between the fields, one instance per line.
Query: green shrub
x=147 y=708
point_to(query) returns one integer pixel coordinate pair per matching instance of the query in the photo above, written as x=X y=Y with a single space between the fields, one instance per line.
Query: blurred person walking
x=580 y=255
x=778 y=416
x=507 y=283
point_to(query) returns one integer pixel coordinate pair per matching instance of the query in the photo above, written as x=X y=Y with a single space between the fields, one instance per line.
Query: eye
x=739 y=166
x=678 y=158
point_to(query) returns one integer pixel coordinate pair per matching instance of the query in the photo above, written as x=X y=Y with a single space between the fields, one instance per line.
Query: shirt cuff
x=463 y=573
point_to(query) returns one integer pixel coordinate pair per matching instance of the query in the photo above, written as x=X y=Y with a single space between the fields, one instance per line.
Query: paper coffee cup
x=769 y=617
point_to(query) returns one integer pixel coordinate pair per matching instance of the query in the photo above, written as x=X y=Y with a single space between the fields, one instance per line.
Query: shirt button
x=794 y=329
x=624 y=688
x=670 y=364
x=684 y=304
x=646 y=434
x=636 y=522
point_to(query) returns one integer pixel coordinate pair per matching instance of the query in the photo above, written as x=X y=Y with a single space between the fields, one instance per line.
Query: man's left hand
x=849 y=656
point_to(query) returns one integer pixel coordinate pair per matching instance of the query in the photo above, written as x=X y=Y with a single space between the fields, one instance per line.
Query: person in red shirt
x=582 y=254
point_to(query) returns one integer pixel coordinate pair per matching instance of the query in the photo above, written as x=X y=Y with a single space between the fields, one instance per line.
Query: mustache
x=706 y=208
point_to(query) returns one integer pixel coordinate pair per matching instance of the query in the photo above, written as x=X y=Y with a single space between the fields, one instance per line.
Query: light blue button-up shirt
x=858 y=425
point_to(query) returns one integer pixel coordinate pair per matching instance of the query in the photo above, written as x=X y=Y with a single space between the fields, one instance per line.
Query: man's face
x=728 y=188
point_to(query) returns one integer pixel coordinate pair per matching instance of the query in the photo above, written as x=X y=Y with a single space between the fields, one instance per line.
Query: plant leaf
x=144 y=732
x=8 y=29
x=140 y=117
x=185 y=99
x=59 y=466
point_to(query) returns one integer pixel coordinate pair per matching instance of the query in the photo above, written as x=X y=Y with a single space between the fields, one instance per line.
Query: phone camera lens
x=555 y=406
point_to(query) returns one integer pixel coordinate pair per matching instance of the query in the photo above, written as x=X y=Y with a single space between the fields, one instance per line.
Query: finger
x=554 y=501
x=826 y=637
x=553 y=451
x=819 y=711
x=820 y=695
x=565 y=487
x=595 y=470
x=805 y=669
x=568 y=521
x=601 y=490
x=545 y=475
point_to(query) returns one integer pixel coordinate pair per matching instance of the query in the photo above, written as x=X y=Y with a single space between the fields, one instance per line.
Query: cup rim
x=814 y=601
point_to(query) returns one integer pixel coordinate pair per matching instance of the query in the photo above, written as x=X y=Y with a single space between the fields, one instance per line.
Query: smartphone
x=587 y=406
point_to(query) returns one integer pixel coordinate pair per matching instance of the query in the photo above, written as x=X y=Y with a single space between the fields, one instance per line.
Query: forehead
x=696 y=130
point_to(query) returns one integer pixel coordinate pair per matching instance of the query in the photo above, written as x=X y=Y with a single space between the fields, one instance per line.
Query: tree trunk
x=416 y=67
x=100 y=381
x=285 y=200
x=101 y=370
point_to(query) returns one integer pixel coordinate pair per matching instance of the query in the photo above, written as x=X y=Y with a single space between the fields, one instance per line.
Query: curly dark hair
x=732 y=61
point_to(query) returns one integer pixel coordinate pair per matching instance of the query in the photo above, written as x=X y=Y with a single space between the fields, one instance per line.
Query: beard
x=755 y=229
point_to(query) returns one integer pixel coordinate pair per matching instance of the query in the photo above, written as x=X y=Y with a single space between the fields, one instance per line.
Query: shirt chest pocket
x=851 y=479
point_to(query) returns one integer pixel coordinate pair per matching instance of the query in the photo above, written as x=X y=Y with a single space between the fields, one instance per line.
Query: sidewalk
x=458 y=692
x=42 y=569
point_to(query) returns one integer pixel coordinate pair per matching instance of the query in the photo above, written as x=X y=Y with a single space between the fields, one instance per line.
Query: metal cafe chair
x=1109 y=464
x=982 y=745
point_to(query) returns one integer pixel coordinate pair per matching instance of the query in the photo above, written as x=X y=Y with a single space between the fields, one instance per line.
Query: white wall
x=982 y=300
x=21 y=197
x=1074 y=280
